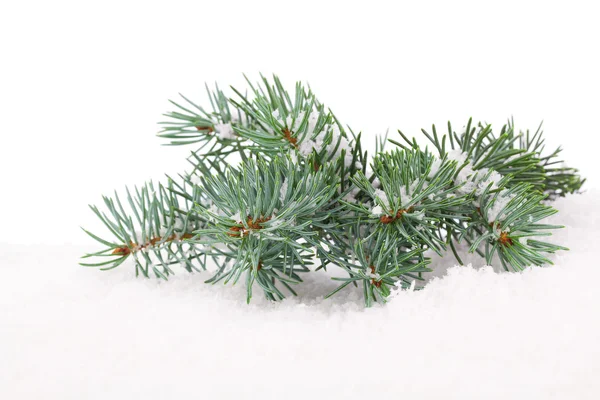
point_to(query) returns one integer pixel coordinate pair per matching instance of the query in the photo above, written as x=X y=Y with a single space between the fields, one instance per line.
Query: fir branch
x=416 y=195
x=305 y=191
x=155 y=232
x=511 y=219
x=263 y=210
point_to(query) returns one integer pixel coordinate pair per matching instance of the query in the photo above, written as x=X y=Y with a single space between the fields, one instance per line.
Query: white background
x=83 y=84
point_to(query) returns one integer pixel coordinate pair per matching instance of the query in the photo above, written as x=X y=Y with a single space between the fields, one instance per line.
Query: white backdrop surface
x=83 y=85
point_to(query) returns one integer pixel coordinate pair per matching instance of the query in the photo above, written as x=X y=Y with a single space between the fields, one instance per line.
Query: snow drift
x=71 y=332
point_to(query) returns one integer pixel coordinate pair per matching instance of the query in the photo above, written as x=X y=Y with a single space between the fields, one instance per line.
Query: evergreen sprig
x=279 y=187
x=264 y=215
x=154 y=232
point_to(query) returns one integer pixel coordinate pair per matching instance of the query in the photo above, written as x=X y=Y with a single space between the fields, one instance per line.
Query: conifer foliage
x=279 y=187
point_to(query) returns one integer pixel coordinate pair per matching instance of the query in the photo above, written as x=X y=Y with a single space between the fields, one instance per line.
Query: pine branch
x=265 y=214
x=511 y=219
x=154 y=233
x=305 y=192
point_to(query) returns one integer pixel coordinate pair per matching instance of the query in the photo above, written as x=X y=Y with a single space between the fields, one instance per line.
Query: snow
x=239 y=116
x=472 y=180
x=214 y=210
x=382 y=196
x=405 y=196
x=351 y=195
x=466 y=176
x=457 y=155
x=317 y=143
x=69 y=332
x=195 y=179
x=371 y=274
x=500 y=202
x=309 y=144
x=306 y=147
x=483 y=180
x=283 y=191
x=435 y=167
x=237 y=216
x=225 y=131
x=377 y=211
